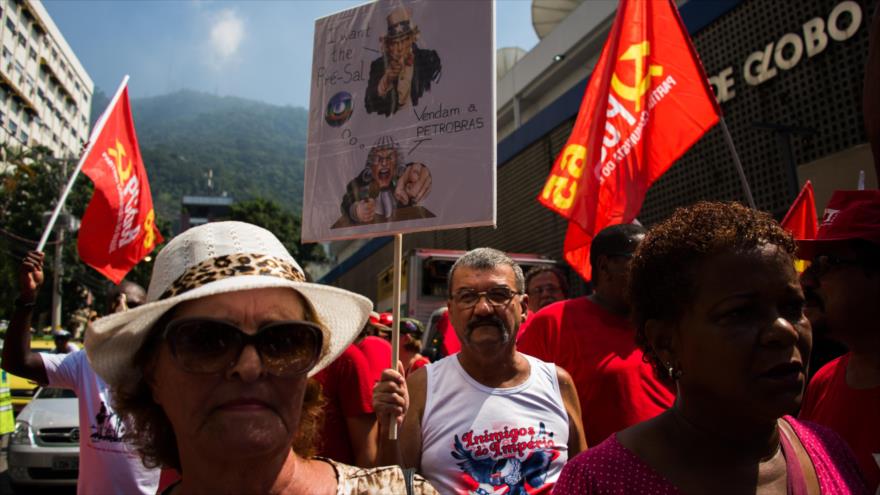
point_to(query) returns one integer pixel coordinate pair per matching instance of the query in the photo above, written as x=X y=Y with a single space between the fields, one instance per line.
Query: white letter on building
x=815 y=38
x=723 y=84
x=798 y=51
x=855 y=12
x=765 y=72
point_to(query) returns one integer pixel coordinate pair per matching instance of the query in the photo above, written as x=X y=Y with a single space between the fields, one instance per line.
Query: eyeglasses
x=497 y=297
x=208 y=346
x=545 y=289
x=825 y=262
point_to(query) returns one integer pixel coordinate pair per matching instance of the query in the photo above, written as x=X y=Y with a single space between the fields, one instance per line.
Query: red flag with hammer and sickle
x=118 y=228
x=647 y=102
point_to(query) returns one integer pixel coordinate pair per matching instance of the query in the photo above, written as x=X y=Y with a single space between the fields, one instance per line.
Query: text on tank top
x=493 y=440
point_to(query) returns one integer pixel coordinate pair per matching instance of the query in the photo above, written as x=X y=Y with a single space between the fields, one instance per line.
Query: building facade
x=789 y=77
x=45 y=93
x=199 y=210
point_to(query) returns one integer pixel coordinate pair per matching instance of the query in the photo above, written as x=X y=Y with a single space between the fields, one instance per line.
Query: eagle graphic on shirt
x=509 y=475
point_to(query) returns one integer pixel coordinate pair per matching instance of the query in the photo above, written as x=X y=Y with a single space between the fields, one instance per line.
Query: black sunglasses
x=207 y=346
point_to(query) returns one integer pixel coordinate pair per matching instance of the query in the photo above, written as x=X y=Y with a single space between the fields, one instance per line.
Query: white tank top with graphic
x=482 y=440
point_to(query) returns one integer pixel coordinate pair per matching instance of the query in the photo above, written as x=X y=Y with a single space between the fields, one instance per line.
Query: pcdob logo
x=128 y=187
x=617 y=143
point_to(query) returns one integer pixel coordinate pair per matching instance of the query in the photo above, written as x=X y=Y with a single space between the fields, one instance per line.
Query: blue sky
x=260 y=50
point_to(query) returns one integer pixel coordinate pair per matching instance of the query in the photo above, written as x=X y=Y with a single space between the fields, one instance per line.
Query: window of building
x=13 y=127
x=10 y=25
x=7 y=55
x=21 y=40
x=24 y=136
x=54 y=54
x=33 y=54
x=19 y=68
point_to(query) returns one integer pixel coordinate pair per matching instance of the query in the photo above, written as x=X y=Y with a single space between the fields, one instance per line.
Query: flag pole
x=739 y=167
x=99 y=125
x=395 y=314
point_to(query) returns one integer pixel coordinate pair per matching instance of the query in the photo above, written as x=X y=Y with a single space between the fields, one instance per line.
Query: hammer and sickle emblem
x=118 y=153
x=637 y=54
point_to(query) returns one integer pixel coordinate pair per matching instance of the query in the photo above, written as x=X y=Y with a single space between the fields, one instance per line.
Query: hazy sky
x=260 y=50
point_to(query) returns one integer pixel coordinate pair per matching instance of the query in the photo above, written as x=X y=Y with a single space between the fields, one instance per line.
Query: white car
x=44 y=448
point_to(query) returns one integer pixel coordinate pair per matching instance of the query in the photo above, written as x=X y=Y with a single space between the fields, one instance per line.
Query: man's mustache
x=486 y=321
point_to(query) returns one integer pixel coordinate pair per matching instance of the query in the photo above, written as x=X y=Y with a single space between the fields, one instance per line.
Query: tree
x=284 y=224
x=30 y=187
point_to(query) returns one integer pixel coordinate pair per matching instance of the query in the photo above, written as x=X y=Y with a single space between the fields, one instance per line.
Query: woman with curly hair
x=211 y=374
x=718 y=308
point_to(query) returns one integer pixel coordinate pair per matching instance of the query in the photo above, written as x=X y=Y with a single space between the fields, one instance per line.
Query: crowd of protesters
x=686 y=370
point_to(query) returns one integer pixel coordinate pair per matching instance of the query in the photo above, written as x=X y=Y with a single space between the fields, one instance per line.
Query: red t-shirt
x=418 y=363
x=615 y=386
x=854 y=414
x=451 y=344
x=378 y=353
x=348 y=389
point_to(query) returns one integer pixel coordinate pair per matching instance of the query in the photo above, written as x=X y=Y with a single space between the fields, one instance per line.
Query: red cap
x=850 y=215
x=386 y=320
x=376 y=321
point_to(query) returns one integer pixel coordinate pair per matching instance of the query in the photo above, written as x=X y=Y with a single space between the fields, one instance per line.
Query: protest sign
x=401 y=120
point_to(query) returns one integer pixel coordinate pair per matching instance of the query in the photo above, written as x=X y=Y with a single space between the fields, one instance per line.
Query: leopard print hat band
x=214 y=258
x=232 y=265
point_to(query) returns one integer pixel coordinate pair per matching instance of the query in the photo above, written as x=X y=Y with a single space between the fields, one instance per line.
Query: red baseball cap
x=850 y=215
x=377 y=321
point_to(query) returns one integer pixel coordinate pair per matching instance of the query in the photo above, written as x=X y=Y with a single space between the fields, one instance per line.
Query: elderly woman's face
x=744 y=341
x=244 y=410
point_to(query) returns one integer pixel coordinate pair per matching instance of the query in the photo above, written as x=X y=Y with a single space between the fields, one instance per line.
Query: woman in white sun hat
x=211 y=372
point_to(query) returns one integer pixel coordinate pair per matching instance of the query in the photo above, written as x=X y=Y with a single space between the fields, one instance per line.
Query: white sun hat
x=216 y=258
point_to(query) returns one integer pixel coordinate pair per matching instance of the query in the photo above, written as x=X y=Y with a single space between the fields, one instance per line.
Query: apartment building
x=45 y=93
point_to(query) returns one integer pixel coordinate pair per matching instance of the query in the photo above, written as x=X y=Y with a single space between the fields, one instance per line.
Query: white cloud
x=227 y=33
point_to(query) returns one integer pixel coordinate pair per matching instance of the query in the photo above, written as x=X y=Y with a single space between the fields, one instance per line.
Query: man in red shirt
x=349 y=434
x=592 y=338
x=376 y=349
x=845 y=280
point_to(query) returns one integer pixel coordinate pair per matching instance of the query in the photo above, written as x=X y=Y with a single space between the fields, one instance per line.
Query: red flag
x=647 y=102
x=801 y=219
x=118 y=228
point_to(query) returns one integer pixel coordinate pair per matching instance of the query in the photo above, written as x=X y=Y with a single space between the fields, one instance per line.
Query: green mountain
x=252 y=149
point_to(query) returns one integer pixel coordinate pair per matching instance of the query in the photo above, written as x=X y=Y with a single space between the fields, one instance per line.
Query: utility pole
x=58 y=268
x=56 y=278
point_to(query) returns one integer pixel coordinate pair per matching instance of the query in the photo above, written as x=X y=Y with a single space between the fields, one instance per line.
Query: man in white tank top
x=488 y=419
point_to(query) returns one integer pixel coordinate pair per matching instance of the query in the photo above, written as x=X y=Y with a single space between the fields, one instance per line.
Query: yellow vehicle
x=22 y=389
